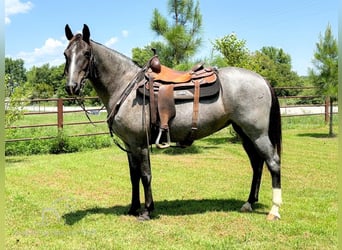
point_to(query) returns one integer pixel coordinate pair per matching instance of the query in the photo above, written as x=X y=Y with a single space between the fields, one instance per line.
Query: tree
x=16 y=73
x=270 y=62
x=16 y=91
x=277 y=55
x=142 y=55
x=15 y=100
x=325 y=72
x=275 y=65
x=181 y=35
x=39 y=79
x=57 y=80
x=46 y=81
x=233 y=50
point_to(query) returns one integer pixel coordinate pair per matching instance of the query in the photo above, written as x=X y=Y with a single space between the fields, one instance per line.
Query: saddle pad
x=187 y=93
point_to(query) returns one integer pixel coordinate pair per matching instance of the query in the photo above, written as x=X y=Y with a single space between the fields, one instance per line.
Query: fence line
x=60 y=110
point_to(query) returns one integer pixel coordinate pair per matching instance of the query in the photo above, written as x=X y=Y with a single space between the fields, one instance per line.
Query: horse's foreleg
x=140 y=169
x=146 y=177
x=135 y=174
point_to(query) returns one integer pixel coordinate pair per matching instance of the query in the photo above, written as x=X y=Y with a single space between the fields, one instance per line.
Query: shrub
x=61 y=144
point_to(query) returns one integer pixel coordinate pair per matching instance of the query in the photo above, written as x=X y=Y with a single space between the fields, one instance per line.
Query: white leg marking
x=277 y=201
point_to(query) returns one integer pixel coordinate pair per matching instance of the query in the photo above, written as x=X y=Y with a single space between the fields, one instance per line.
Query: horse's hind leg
x=261 y=150
x=269 y=153
x=257 y=163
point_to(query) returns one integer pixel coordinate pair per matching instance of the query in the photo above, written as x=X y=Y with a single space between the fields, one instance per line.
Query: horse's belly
x=211 y=118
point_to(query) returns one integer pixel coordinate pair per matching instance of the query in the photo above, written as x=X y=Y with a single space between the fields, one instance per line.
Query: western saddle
x=164 y=86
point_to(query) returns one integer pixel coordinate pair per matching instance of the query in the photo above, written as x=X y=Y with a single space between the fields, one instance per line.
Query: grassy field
x=80 y=200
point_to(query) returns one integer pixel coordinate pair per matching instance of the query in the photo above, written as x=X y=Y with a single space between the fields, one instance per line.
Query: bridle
x=90 y=72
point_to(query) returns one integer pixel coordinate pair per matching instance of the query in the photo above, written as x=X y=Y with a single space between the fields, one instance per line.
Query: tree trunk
x=331 y=134
x=326 y=109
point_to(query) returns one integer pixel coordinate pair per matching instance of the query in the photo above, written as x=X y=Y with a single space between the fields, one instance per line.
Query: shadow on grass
x=222 y=140
x=13 y=160
x=317 y=135
x=178 y=150
x=170 y=208
x=211 y=143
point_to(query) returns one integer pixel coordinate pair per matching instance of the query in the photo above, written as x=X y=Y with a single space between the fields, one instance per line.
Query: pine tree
x=180 y=33
x=325 y=72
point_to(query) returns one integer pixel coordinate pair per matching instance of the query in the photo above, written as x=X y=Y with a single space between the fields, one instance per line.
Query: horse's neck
x=114 y=72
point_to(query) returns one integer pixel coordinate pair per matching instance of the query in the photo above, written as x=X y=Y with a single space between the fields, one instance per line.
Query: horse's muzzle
x=73 y=88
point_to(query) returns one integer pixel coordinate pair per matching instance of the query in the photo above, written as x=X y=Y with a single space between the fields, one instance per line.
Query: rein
x=92 y=72
x=80 y=102
x=111 y=116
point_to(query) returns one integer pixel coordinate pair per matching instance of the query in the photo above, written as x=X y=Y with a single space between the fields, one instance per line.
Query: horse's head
x=79 y=60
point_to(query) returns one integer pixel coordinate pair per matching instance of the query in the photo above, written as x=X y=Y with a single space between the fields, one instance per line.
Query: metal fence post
x=60 y=113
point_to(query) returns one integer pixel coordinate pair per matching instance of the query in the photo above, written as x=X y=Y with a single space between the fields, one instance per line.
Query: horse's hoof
x=144 y=216
x=272 y=217
x=133 y=213
x=163 y=145
x=246 y=208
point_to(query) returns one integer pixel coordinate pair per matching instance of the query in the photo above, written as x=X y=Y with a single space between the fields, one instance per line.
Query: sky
x=34 y=29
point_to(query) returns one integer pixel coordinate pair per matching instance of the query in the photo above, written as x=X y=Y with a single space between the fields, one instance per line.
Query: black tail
x=274 y=130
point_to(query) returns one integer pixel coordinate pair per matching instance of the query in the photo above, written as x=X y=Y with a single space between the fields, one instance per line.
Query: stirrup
x=164 y=144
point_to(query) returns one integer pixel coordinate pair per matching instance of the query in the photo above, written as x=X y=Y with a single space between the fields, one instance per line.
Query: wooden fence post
x=60 y=113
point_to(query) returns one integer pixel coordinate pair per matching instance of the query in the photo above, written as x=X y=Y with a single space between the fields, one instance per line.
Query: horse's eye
x=87 y=54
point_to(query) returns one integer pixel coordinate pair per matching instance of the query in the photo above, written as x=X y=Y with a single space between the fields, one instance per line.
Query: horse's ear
x=86 y=33
x=68 y=32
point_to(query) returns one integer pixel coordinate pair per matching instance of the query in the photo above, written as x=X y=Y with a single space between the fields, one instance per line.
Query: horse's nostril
x=77 y=91
x=72 y=88
x=69 y=90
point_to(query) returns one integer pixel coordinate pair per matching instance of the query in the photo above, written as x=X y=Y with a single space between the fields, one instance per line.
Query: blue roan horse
x=245 y=101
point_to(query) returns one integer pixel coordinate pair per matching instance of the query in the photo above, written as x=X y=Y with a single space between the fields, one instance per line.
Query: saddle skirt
x=183 y=82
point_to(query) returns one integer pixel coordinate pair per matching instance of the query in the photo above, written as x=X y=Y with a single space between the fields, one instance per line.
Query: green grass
x=72 y=144
x=80 y=200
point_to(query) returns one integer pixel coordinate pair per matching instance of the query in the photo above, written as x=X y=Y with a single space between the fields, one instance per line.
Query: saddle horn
x=154 y=62
x=154 y=51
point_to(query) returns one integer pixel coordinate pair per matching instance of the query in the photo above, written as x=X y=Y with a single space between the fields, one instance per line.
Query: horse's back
x=248 y=97
x=242 y=81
